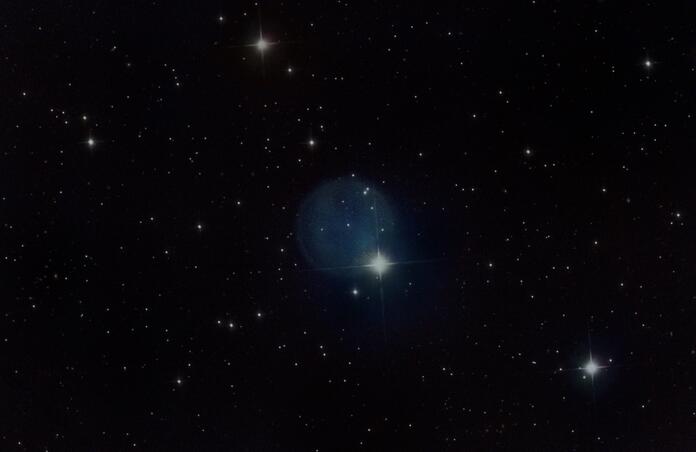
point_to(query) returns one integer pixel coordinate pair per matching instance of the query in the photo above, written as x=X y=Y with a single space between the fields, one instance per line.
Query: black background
x=115 y=307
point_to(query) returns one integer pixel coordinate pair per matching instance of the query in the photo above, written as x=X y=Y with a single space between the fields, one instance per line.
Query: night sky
x=324 y=226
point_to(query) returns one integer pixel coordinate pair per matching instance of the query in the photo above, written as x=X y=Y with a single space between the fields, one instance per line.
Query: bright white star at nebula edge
x=379 y=263
x=591 y=367
x=261 y=44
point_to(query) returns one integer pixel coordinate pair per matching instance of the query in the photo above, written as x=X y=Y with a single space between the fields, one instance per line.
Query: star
x=591 y=367
x=261 y=44
x=379 y=263
x=648 y=64
x=91 y=142
x=311 y=143
x=355 y=292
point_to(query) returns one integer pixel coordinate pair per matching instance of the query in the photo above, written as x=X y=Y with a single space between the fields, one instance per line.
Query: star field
x=347 y=226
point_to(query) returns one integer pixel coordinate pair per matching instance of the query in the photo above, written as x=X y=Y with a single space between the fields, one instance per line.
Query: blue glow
x=343 y=223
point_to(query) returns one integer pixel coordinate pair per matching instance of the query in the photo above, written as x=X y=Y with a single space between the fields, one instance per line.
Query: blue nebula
x=343 y=223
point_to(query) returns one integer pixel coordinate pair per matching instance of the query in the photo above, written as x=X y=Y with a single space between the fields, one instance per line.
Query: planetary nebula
x=345 y=223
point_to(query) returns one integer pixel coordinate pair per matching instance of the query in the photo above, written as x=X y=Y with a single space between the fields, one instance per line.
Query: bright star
x=379 y=263
x=648 y=63
x=262 y=44
x=91 y=142
x=591 y=367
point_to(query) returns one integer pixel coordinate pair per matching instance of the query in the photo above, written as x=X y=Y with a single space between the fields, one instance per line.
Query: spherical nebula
x=344 y=223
